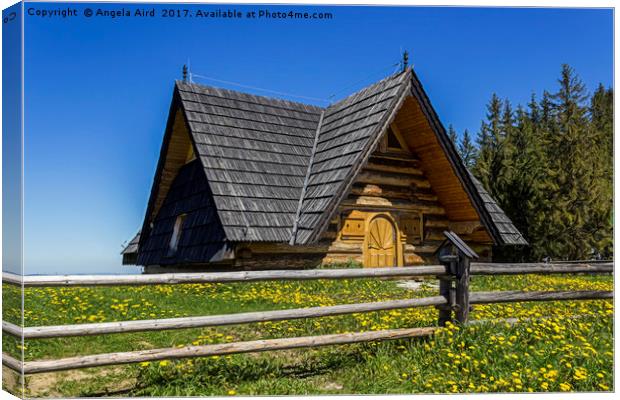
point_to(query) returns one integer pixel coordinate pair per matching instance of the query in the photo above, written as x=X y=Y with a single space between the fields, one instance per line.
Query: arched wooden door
x=381 y=243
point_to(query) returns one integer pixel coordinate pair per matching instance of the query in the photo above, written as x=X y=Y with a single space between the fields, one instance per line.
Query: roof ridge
x=387 y=78
x=257 y=96
x=302 y=195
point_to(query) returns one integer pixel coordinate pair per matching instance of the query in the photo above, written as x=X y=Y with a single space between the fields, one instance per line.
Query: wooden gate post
x=456 y=256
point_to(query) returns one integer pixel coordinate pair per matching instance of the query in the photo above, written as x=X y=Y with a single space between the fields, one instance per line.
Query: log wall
x=394 y=184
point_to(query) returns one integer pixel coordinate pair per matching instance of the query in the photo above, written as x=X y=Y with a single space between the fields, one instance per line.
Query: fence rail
x=55 y=331
x=453 y=303
x=299 y=275
x=33 y=367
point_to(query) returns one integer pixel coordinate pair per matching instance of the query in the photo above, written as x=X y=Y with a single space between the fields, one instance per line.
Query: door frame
x=398 y=245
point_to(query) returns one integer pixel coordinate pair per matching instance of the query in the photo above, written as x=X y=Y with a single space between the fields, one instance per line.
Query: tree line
x=549 y=165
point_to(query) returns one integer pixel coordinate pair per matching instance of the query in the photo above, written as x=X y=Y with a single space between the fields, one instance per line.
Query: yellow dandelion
x=603 y=386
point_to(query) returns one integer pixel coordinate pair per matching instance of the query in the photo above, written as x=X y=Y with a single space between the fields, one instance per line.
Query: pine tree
x=534 y=110
x=575 y=192
x=508 y=120
x=600 y=223
x=467 y=150
x=491 y=156
x=547 y=123
x=602 y=114
x=522 y=197
x=452 y=134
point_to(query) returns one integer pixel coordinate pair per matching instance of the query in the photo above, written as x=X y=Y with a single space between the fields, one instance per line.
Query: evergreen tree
x=508 y=120
x=467 y=150
x=522 y=195
x=600 y=223
x=534 y=111
x=452 y=135
x=547 y=123
x=550 y=168
x=572 y=171
x=602 y=115
x=482 y=163
x=489 y=165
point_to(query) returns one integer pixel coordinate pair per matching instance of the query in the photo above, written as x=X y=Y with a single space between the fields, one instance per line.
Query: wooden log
x=388 y=192
x=387 y=178
x=393 y=159
x=393 y=168
x=12 y=362
x=33 y=367
x=582 y=262
x=12 y=329
x=220 y=277
x=434 y=221
x=538 y=268
x=375 y=202
x=433 y=234
x=335 y=258
x=410 y=193
x=349 y=247
x=521 y=296
x=285 y=248
x=427 y=247
x=38 y=332
x=280 y=261
x=464 y=227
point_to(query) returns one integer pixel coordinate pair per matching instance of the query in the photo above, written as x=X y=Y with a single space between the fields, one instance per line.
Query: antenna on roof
x=184 y=73
x=405 y=60
x=189 y=70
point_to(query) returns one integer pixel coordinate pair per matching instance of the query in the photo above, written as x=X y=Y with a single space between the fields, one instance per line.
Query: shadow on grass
x=209 y=376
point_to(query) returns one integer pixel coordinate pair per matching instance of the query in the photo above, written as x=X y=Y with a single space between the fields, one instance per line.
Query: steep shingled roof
x=266 y=158
x=255 y=152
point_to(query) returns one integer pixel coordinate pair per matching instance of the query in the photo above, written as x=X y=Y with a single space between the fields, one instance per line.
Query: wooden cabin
x=252 y=182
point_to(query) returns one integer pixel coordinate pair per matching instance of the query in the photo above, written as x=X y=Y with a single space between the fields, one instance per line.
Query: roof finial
x=184 y=73
x=405 y=60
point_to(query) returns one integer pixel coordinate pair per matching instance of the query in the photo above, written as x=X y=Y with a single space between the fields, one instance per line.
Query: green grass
x=488 y=357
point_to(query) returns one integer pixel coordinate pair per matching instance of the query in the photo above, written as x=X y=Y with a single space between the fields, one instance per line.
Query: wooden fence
x=453 y=304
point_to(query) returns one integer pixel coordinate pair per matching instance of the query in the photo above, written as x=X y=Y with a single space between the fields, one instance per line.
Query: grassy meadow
x=549 y=350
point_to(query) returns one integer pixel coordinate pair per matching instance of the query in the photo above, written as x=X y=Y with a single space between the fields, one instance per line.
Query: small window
x=176 y=235
x=393 y=142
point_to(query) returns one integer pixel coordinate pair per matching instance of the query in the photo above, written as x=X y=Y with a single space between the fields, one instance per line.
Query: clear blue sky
x=98 y=91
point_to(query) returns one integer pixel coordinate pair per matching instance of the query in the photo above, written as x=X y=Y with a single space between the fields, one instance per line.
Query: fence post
x=462 y=289
x=456 y=256
x=446 y=290
x=446 y=284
